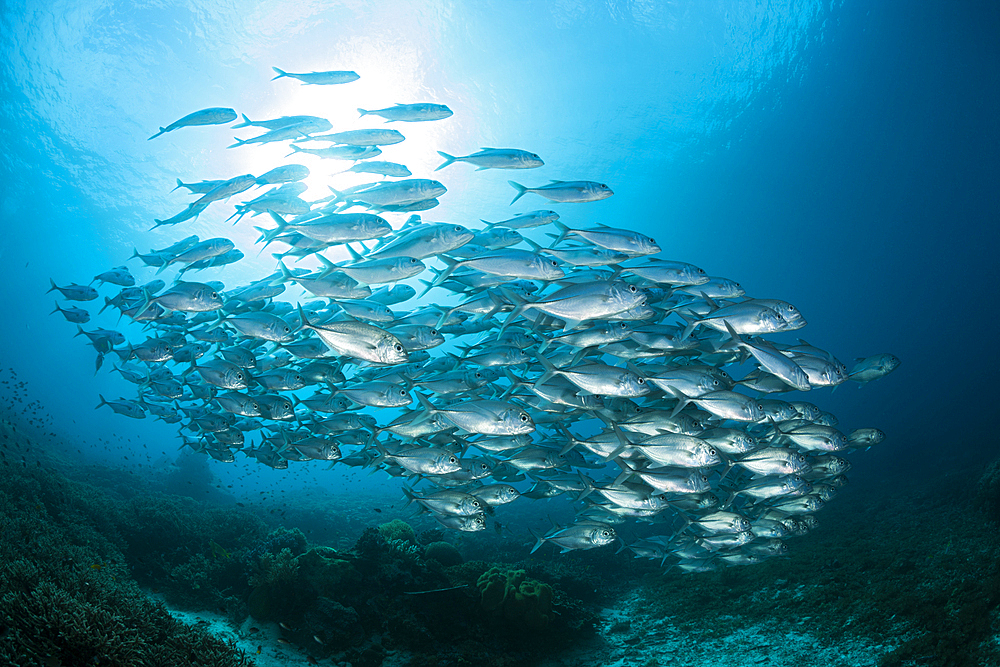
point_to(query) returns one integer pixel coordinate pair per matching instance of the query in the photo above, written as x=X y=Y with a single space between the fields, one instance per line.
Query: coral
x=431 y=535
x=328 y=573
x=275 y=595
x=444 y=553
x=66 y=597
x=397 y=529
x=988 y=491
x=523 y=602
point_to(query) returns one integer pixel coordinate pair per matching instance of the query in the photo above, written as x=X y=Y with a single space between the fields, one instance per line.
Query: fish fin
x=627 y=471
x=689 y=329
x=540 y=540
x=281 y=73
x=683 y=401
x=330 y=266
x=550 y=370
x=451 y=265
x=246 y=121
x=563 y=231
x=448 y=159
x=521 y=191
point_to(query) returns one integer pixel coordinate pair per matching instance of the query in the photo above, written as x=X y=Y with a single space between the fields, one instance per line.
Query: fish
x=74 y=292
x=410 y=113
x=872 y=368
x=288 y=173
x=383 y=137
x=518 y=373
x=210 y=116
x=72 y=314
x=495 y=158
x=565 y=191
x=330 y=78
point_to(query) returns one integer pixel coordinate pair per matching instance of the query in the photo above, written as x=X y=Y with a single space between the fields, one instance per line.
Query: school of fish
x=546 y=361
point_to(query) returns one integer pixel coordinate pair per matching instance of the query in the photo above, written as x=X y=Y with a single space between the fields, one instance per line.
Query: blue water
x=838 y=155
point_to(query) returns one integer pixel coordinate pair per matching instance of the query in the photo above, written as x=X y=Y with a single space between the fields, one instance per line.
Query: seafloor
x=101 y=566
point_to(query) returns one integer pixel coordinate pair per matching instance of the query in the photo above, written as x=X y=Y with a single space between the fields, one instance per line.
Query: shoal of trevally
x=550 y=360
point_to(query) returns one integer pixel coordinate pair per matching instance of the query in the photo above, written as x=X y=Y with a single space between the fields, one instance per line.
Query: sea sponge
x=397 y=529
x=523 y=602
x=444 y=553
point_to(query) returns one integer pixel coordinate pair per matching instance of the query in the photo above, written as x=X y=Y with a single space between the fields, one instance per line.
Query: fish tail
x=281 y=73
x=162 y=130
x=246 y=121
x=539 y=541
x=220 y=318
x=452 y=264
x=521 y=191
x=239 y=142
x=79 y=331
x=303 y=320
x=689 y=329
x=448 y=159
x=107 y=302
x=363 y=112
x=103 y=402
x=295 y=149
x=58 y=309
x=627 y=471
x=563 y=231
x=179 y=185
x=588 y=486
x=550 y=370
x=520 y=305
x=682 y=401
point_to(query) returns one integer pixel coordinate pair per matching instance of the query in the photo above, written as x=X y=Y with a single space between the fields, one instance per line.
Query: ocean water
x=841 y=156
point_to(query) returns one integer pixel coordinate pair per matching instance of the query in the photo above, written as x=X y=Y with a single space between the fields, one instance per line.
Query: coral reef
x=444 y=553
x=920 y=567
x=397 y=529
x=988 y=491
x=522 y=602
x=66 y=595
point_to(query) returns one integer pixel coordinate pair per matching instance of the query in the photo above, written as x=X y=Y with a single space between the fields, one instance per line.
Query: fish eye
x=791 y=308
x=398 y=347
x=604 y=186
x=524 y=417
x=605 y=533
x=287 y=329
x=640 y=380
x=716 y=383
x=631 y=288
x=701 y=271
x=623 y=325
x=402 y=392
x=434 y=332
x=214 y=295
x=554 y=263
x=478 y=375
x=452 y=459
x=413 y=261
x=239 y=376
x=457 y=228
x=650 y=239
